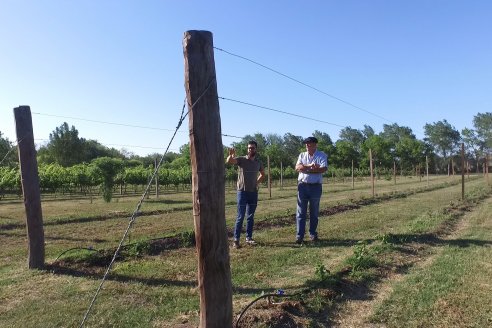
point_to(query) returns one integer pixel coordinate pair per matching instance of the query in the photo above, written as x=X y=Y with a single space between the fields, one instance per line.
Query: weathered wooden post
x=30 y=186
x=208 y=181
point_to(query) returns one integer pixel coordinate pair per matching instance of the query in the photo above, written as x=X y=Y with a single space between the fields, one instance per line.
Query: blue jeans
x=246 y=205
x=308 y=193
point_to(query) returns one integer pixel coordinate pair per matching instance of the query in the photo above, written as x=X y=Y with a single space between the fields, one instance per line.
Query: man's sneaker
x=299 y=241
x=236 y=244
x=250 y=241
x=314 y=238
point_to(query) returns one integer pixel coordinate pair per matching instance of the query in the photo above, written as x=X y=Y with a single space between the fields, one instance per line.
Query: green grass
x=454 y=290
x=146 y=290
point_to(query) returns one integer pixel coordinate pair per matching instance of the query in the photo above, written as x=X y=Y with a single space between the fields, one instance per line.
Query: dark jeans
x=308 y=193
x=246 y=205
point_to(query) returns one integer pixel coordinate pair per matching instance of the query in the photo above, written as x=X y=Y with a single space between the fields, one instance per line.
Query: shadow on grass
x=98 y=218
x=61 y=269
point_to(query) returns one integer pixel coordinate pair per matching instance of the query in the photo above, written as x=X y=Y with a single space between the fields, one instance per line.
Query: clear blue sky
x=408 y=62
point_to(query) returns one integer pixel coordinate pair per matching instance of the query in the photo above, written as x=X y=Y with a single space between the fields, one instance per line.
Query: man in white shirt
x=311 y=165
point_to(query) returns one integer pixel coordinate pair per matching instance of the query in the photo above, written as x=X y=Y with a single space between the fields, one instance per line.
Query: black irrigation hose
x=280 y=293
x=71 y=249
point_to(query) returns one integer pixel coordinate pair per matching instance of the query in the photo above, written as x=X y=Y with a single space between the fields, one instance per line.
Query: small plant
x=138 y=248
x=362 y=258
x=321 y=272
x=187 y=238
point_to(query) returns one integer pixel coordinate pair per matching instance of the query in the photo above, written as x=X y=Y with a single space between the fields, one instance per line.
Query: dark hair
x=252 y=142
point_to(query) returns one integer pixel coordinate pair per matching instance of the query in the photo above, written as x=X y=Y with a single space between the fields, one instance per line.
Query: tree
x=8 y=153
x=410 y=151
x=64 y=147
x=473 y=145
x=293 y=146
x=344 y=154
x=483 y=127
x=380 y=149
x=108 y=168
x=325 y=143
x=443 y=137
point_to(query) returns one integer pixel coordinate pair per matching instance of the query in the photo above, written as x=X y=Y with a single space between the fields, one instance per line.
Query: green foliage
x=362 y=258
x=8 y=153
x=138 y=249
x=322 y=274
x=107 y=168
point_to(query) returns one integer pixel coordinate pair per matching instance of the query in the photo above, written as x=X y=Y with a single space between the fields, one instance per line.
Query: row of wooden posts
x=208 y=182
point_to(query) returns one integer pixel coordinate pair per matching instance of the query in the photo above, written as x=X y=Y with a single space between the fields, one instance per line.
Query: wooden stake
x=208 y=181
x=372 y=172
x=462 y=171
x=30 y=186
x=353 y=182
x=269 y=178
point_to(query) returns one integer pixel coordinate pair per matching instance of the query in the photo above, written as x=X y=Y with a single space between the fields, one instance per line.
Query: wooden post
x=372 y=172
x=353 y=183
x=427 y=168
x=487 y=168
x=462 y=171
x=30 y=186
x=208 y=181
x=269 y=178
x=281 y=176
x=156 y=180
x=394 y=171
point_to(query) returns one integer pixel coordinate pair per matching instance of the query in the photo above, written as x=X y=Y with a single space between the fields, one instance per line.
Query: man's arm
x=231 y=159
x=261 y=177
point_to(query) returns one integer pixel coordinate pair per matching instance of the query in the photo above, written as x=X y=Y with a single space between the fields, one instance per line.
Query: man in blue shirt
x=311 y=165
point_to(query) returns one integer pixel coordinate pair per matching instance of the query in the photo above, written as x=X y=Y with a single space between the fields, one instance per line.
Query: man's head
x=252 y=145
x=311 y=144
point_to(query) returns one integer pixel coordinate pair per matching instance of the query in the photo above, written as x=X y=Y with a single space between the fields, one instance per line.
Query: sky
x=106 y=67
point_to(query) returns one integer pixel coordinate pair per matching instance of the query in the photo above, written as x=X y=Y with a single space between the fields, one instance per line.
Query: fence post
x=30 y=186
x=269 y=178
x=462 y=171
x=281 y=176
x=156 y=179
x=353 y=182
x=427 y=168
x=372 y=172
x=394 y=172
x=208 y=181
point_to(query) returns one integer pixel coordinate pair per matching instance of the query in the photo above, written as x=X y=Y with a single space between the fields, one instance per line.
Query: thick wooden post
x=30 y=186
x=208 y=181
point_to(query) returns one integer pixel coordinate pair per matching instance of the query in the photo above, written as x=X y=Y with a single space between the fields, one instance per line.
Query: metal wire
x=140 y=202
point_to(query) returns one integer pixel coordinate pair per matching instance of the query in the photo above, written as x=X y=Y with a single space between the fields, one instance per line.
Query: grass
x=147 y=289
x=454 y=290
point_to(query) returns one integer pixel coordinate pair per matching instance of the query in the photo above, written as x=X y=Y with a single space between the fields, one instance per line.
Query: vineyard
x=366 y=244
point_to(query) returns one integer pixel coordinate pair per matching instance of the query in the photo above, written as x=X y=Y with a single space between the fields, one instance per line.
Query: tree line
x=68 y=162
